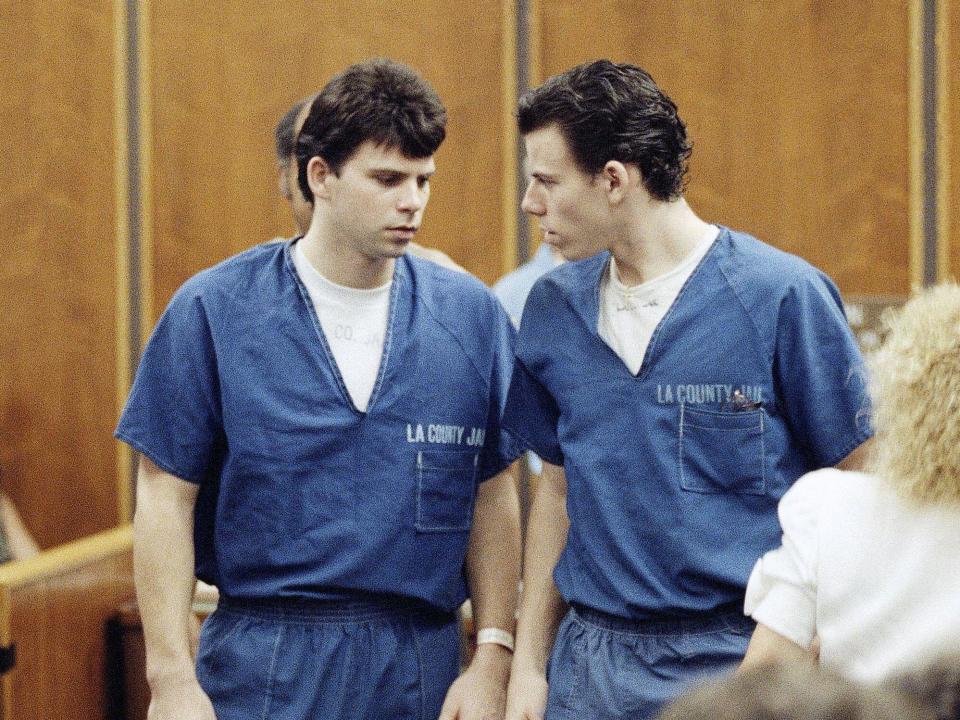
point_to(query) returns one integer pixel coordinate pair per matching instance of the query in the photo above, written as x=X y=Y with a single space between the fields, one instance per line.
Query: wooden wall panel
x=219 y=81
x=798 y=111
x=58 y=278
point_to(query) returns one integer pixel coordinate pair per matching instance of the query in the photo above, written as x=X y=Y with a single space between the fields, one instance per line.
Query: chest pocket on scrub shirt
x=721 y=451
x=446 y=483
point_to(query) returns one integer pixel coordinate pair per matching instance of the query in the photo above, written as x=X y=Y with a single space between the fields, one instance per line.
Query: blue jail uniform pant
x=605 y=667
x=305 y=659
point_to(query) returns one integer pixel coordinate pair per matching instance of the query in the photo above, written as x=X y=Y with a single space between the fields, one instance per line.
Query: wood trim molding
x=916 y=144
x=124 y=340
x=509 y=136
x=944 y=216
x=145 y=165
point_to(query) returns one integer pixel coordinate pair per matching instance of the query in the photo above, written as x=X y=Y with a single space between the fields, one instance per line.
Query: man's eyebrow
x=400 y=173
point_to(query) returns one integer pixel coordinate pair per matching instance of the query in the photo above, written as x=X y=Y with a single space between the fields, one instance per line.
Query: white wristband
x=495 y=636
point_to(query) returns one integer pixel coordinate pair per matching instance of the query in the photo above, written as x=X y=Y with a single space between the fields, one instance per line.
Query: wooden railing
x=54 y=611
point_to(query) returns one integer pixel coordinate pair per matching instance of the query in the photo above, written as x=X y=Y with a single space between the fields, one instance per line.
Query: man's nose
x=531 y=203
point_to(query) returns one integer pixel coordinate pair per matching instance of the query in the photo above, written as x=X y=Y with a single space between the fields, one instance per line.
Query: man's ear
x=318 y=173
x=283 y=183
x=618 y=179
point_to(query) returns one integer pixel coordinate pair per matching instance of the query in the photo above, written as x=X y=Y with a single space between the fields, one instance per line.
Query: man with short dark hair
x=301 y=204
x=319 y=425
x=676 y=377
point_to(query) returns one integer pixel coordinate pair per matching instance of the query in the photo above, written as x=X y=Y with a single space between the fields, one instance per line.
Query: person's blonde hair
x=915 y=386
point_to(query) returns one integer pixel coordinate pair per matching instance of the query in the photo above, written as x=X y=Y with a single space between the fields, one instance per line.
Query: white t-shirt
x=875 y=577
x=354 y=322
x=629 y=315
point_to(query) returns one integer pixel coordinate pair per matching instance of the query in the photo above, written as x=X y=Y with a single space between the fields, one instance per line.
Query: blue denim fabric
x=669 y=517
x=603 y=667
x=300 y=493
x=346 y=660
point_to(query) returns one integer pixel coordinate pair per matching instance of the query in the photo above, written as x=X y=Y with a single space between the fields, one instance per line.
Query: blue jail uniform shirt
x=512 y=289
x=302 y=495
x=673 y=475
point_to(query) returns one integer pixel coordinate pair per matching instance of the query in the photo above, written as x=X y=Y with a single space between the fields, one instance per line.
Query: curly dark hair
x=379 y=100
x=609 y=111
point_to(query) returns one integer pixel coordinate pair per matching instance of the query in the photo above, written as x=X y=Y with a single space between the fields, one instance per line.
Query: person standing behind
x=676 y=377
x=285 y=143
x=869 y=562
x=320 y=438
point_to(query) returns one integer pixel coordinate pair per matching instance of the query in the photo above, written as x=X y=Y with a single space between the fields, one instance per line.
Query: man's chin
x=394 y=250
x=568 y=253
x=397 y=249
x=564 y=250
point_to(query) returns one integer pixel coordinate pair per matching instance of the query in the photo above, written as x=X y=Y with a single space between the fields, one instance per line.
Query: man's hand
x=527 y=695
x=181 y=699
x=481 y=692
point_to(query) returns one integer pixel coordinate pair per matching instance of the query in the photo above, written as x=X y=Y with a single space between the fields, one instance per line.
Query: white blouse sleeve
x=782 y=590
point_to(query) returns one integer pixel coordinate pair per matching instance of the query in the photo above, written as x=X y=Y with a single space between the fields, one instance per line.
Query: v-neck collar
x=585 y=298
x=399 y=279
x=584 y=292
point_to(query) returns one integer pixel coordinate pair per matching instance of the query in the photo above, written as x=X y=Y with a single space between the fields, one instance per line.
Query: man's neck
x=656 y=239
x=340 y=263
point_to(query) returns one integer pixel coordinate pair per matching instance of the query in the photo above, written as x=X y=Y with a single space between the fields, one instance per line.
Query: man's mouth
x=405 y=232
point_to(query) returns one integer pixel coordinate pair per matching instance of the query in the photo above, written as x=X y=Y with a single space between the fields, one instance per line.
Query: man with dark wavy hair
x=319 y=423
x=676 y=377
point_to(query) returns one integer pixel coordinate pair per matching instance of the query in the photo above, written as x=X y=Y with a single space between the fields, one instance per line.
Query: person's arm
x=820 y=374
x=781 y=592
x=163 y=565
x=493 y=573
x=434 y=255
x=541 y=607
x=857 y=460
x=767 y=647
x=22 y=544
